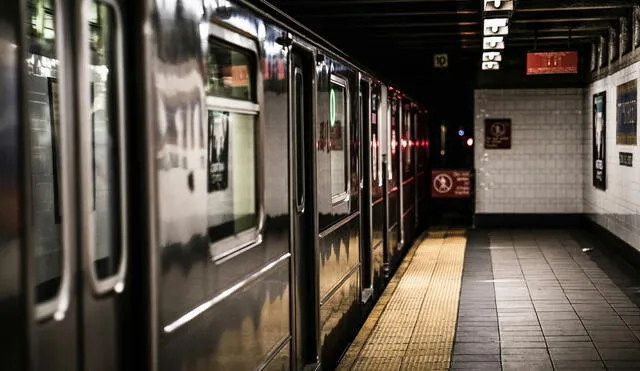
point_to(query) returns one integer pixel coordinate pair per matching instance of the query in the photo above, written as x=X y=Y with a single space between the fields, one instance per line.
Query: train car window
x=104 y=107
x=232 y=153
x=44 y=123
x=229 y=71
x=300 y=128
x=394 y=118
x=376 y=150
x=338 y=127
x=407 y=143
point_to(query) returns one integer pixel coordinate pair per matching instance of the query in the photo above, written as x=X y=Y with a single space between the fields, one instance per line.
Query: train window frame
x=237 y=243
x=58 y=91
x=344 y=195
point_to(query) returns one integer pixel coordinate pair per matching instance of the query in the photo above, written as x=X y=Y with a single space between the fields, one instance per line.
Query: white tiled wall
x=543 y=170
x=616 y=208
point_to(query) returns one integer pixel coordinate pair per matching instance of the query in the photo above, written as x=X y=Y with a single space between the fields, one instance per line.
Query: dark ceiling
x=365 y=28
x=399 y=37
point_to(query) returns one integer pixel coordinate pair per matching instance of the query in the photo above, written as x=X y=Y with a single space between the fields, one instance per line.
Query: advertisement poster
x=599 y=141
x=218 y=156
x=626 y=113
x=497 y=134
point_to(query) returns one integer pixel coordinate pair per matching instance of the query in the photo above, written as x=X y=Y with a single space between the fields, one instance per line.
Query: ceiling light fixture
x=500 y=5
x=491 y=57
x=490 y=66
x=494 y=42
x=496 y=26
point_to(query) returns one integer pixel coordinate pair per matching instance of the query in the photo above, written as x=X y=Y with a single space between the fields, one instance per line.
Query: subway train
x=194 y=185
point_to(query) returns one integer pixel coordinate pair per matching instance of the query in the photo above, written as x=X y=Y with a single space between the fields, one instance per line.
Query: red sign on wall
x=552 y=63
x=451 y=183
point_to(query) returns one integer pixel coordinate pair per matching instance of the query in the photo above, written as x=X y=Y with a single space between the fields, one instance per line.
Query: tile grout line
x=569 y=300
x=564 y=247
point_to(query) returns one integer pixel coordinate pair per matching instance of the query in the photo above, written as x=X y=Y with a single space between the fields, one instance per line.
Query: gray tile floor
x=533 y=300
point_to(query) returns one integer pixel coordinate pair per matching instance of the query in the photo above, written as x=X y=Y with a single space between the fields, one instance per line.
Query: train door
x=75 y=175
x=366 y=243
x=102 y=173
x=15 y=302
x=305 y=274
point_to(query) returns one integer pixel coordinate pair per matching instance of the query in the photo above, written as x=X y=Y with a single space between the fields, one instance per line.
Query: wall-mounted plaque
x=626 y=159
x=497 y=134
x=626 y=113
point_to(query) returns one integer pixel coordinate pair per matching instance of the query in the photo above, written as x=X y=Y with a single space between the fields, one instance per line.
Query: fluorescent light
x=490 y=66
x=491 y=57
x=496 y=26
x=493 y=5
x=494 y=42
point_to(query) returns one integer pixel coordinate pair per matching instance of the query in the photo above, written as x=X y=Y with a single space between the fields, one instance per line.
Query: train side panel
x=223 y=245
x=338 y=210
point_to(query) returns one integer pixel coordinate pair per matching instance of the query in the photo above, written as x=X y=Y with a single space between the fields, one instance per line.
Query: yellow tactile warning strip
x=412 y=326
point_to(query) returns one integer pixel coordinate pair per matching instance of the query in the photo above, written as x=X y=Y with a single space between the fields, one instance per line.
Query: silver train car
x=194 y=185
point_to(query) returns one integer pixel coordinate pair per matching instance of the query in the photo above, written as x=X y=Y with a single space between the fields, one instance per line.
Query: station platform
x=504 y=300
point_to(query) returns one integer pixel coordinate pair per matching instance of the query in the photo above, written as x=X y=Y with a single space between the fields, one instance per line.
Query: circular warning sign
x=498 y=129
x=442 y=183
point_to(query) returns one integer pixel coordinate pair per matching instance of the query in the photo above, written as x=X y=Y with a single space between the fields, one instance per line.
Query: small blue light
x=461 y=132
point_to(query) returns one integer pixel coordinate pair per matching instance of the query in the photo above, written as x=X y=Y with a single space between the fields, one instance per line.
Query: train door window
x=42 y=101
x=376 y=150
x=406 y=143
x=300 y=132
x=338 y=126
x=394 y=117
x=234 y=198
x=106 y=112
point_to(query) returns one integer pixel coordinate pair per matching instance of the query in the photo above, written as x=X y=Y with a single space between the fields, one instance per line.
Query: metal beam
x=514 y=31
x=459 y=12
x=364 y=2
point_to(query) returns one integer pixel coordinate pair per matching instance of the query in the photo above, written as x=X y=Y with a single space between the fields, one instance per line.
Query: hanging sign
x=552 y=63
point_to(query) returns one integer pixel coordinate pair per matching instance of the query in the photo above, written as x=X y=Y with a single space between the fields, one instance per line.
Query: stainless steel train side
x=194 y=185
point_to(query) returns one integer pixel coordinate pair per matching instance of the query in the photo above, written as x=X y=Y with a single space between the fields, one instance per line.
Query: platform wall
x=617 y=207
x=543 y=171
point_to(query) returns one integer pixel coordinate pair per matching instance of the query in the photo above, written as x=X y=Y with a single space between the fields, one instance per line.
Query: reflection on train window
x=338 y=137
x=406 y=144
x=44 y=124
x=395 y=117
x=104 y=122
x=376 y=170
x=232 y=200
x=232 y=170
x=229 y=72
x=300 y=130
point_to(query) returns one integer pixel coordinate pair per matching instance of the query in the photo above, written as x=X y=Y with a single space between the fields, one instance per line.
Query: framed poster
x=626 y=113
x=218 y=158
x=599 y=133
x=497 y=134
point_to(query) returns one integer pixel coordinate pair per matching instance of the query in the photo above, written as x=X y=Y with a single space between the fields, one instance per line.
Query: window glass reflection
x=338 y=138
x=104 y=123
x=44 y=123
